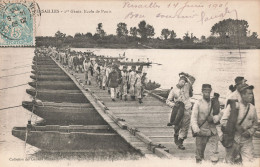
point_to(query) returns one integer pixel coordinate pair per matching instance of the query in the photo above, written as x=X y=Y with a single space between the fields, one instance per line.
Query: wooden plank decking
x=146 y=122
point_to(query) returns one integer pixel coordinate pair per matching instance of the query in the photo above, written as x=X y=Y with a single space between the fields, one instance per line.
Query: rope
x=13 y=75
x=13 y=86
x=15 y=67
x=10 y=107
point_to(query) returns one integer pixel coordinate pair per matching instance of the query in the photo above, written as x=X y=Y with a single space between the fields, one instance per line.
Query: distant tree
x=145 y=30
x=165 y=33
x=59 y=34
x=193 y=38
x=172 y=34
x=186 y=37
x=88 y=35
x=133 y=31
x=150 y=31
x=101 y=33
x=254 y=35
x=203 y=38
x=77 y=35
x=230 y=28
x=69 y=36
x=121 y=29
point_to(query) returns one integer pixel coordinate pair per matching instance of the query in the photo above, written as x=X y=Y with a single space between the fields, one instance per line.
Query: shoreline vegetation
x=226 y=34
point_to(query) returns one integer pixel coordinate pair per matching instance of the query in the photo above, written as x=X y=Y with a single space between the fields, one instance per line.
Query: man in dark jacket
x=113 y=78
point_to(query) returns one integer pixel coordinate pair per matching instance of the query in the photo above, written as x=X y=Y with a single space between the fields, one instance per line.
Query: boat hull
x=73 y=96
x=55 y=85
x=55 y=139
x=51 y=62
x=45 y=66
x=36 y=68
x=48 y=72
x=29 y=104
x=135 y=63
x=62 y=114
x=38 y=58
x=50 y=77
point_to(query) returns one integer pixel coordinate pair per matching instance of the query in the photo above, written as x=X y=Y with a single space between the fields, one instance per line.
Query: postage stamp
x=17 y=23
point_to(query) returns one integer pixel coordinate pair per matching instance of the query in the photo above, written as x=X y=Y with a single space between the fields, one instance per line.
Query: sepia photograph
x=130 y=83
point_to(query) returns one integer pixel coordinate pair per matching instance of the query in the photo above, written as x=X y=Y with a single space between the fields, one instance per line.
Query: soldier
x=118 y=91
x=138 y=85
x=108 y=70
x=203 y=126
x=144 y=82
x=234 y=89
x=81 y=60
x=124 y=83
x=103 y=75
x=87 y=67
x=181 y=93
x=245 y=125
x=132 y=78
x=113 y=81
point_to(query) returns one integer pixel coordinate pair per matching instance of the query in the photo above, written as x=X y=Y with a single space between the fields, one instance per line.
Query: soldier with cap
x=118 y=91
x=138 y=85
x=103 y=75
x=235 y=95
x=203 y=125
x=124 y=75
x=87 y=68
x=108 y=70
x=113 y=78
x=181 y=93
x=245 y=125
x=132 y=78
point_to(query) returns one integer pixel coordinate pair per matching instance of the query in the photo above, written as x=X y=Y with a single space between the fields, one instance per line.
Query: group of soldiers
x=107 y=73
x=118 y=82
x=234 y=125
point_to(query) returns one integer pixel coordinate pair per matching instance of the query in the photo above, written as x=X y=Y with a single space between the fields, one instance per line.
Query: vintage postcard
x=129 y=83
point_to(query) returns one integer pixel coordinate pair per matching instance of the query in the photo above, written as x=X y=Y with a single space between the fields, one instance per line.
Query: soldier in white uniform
x=181 y=92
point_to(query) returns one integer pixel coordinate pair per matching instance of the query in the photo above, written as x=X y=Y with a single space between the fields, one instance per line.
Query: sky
x=195 y=17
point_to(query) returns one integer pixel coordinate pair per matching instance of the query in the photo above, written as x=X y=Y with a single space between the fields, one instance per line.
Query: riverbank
x=136 y=43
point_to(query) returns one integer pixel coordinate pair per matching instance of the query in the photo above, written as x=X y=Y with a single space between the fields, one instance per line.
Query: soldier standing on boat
x=203 y=125
x=181 y=93
x=132 y=78
x=242 y=117
x=113 y=81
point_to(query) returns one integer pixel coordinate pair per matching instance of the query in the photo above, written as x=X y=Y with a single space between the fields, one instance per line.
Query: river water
x=216 y=67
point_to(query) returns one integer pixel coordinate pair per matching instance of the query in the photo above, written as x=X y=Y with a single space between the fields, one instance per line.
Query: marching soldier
x=132 y=78
x=203 y=125
x=113 y=81
x=181 y=93
x=138 y=85
x=124 y=83
x=243 y=117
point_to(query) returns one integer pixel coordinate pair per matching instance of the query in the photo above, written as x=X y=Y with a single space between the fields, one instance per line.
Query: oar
x=157 y=63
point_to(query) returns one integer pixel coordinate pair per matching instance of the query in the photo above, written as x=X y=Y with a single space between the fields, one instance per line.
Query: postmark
x=17 y=23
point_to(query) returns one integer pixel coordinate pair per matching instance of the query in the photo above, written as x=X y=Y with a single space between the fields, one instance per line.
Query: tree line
x=229 y=33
